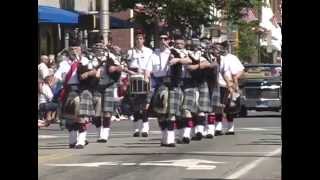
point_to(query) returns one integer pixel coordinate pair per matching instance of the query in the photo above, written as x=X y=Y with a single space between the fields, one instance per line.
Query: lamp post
x=104 y=20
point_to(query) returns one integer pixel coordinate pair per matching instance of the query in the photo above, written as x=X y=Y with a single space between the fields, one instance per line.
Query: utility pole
x=104 y=20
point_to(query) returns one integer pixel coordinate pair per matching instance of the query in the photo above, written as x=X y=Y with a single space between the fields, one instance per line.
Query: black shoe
x=101 y=141
x=136 y=134
x=171 y=145
x=209 y=136
x=179 y=141
x=229 y=133
x=199 y=136
x=163 y=145
x=144 y=134
x=186 y=140
x=218 y=133
x=86 y=142
x=79 y=146
x=71 y=146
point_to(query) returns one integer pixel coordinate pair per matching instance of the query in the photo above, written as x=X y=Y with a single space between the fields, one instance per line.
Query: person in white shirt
x=230 y=71
x=67 y=74
x=189 y=108
x=138 y=58
x=43 y=69
x=160 y=71
x=46 y=107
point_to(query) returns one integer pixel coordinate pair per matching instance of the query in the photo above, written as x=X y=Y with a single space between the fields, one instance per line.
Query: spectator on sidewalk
x=43 y=69
x=47 y=108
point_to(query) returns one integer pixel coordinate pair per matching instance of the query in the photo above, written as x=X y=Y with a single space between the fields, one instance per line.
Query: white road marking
x=252 y=165
x=128 y=164
x=95 y=164
x=46 y=136
x=189 y=164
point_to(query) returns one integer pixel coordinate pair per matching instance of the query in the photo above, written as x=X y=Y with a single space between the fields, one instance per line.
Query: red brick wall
x=121 y=37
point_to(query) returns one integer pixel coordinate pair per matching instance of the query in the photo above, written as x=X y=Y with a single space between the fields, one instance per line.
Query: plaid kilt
x=97 y=103
x=86 y=104
x=204 y=103
x=138 y=102
x=70 y=106
x=175 y=99
x=160 y=99
x=110 y=103
x=216 y=100
x=190 y=100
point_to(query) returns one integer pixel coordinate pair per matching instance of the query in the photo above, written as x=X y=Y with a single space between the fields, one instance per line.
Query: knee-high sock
x=200 y=121
x=188 y=126
x=82 y=134
x=219 y=122
x=211 y=122
x=97 y=122
x=180 y=125
x=230 y=119
x=136 y=125
x=164 y=131
x=170 y=133
x=105 y=129
x=73 y=133
x=145 y=124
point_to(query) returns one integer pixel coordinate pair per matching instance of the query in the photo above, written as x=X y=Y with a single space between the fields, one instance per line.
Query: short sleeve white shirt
x=158 y=63
x=229 y=65
x=46 y=95
x=43 y=71
x=139 y=58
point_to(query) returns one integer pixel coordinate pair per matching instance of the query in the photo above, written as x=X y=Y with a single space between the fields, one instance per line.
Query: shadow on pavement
x=261 y=116
x=274 y=134
x=134 y=146
x=275 y=144
x=53 y=148
x=146 y=140
x=207 y=179
x=140 y=143
x=170 y=154
x=264 y=142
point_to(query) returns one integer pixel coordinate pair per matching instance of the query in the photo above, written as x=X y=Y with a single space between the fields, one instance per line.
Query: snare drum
x=138 y=85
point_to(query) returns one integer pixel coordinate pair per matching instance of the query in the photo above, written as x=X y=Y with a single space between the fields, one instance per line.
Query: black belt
x=73 y=87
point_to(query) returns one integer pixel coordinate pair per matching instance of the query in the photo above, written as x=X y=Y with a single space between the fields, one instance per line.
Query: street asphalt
x=254 y=152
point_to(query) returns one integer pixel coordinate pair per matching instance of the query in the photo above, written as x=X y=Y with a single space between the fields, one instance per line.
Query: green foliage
x=179 y=13
x=248 y=41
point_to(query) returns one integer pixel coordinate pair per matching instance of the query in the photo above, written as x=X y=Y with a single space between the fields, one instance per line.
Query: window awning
x=47 y=14
x=117 y=23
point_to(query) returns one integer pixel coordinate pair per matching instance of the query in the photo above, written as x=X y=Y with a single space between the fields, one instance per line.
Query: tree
x=248 y=37
x=179 y=14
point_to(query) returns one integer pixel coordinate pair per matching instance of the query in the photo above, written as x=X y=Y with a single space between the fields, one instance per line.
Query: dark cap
x=164 y=34
x=74 y=42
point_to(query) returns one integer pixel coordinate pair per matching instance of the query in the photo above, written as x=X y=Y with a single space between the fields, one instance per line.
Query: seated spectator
x=47 y=108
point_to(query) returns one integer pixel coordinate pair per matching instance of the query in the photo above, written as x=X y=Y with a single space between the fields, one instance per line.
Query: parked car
x=260 y=88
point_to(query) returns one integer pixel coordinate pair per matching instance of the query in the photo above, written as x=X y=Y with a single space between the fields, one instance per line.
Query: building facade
x=51 y=36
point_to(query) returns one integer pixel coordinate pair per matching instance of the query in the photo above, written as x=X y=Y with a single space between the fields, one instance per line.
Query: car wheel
x=243 y=112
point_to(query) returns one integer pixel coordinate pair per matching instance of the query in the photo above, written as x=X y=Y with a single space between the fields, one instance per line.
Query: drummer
x=138 y=58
